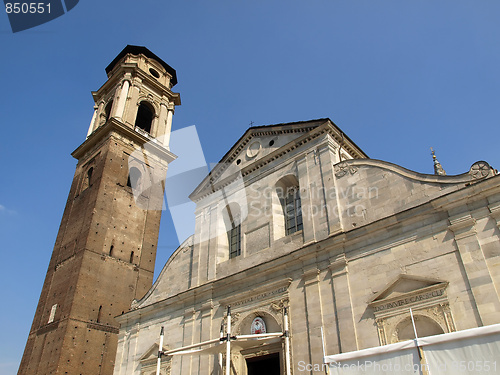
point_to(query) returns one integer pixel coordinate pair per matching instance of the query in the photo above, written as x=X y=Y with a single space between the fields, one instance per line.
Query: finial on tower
x=438 y=168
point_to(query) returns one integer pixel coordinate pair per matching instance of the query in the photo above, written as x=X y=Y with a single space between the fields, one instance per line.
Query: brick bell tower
x=105 y=251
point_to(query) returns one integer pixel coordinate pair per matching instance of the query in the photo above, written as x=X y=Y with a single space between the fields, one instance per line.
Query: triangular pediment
x=405 y=285
x=151 y=353
x=263 y=144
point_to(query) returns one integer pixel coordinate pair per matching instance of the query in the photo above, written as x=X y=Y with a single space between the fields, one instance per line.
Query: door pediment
x=409 y=291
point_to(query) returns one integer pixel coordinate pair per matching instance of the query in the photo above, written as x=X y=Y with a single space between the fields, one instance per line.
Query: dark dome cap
x=137 y=50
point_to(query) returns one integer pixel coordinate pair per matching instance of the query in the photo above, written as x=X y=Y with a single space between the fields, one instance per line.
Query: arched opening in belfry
x=144 y=117
x=107 y=110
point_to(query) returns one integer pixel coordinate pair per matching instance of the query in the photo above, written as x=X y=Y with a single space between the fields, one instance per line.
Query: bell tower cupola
x=137 y=94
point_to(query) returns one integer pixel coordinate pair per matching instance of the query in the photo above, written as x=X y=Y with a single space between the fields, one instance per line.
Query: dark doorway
x=264 y=365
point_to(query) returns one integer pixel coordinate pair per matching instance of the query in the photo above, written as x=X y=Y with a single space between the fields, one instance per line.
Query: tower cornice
x=140 y=139
x=131 y=69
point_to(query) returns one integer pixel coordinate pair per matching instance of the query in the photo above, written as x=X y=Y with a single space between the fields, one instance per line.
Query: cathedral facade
x=297 y=218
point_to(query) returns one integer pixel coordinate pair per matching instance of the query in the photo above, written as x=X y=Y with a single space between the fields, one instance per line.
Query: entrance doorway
x=265 y=364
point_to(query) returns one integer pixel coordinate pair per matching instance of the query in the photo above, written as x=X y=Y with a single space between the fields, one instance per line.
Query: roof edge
x=141 y=50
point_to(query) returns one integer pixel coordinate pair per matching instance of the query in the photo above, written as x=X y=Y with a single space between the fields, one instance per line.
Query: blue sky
x=397 y=76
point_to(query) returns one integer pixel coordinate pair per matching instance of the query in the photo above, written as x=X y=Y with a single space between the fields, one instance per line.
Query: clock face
x=258 y=326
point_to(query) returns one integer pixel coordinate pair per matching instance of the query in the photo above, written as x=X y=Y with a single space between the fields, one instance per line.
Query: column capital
x=495 y=212
x=462 y=225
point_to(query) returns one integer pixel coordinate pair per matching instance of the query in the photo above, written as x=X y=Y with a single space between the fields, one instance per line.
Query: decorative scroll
x=342 y=169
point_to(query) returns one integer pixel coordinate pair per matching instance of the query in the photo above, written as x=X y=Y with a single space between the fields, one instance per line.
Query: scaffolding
x=227 y=343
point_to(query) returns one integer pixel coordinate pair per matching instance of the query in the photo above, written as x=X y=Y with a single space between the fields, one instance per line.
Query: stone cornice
x=266 y=291
x=131 y=69
x=428 y=178
x=310 y=273
x=462 y=225
x=495 y=212
x=139 y=139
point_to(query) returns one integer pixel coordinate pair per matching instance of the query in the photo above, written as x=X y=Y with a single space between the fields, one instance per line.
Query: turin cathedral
x=303 y=248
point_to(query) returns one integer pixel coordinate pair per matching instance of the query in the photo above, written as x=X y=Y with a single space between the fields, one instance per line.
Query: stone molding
x=257 y=294
x=462 y=226
x=495 y=212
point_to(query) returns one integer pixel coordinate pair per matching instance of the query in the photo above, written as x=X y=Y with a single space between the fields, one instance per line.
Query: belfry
x=105 y=251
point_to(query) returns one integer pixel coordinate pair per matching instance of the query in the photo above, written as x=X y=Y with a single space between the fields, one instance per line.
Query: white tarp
x=472 y=351
x=399 y=358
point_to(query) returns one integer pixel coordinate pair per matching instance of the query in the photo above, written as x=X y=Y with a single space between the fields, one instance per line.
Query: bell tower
x=105 y=251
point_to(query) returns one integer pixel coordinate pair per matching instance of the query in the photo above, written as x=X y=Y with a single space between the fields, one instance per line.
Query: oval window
x=154 y=73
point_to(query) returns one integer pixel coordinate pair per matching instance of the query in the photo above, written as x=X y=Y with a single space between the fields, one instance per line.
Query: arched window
x=288 y=193
x=99 y=314
x=232 y=219
x=144 y=117
x=89 y=176
x=87 y=180
x=107 y=110
x=134 y=178
x=292 y=210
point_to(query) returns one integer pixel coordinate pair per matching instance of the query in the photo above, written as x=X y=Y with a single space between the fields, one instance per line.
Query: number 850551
x=25 y=8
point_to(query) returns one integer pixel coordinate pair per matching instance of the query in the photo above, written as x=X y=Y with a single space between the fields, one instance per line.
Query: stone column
x=492 y=250
x=478 y=276
x=305 y=198
x=121 y=353
x=199 y=240
x=317 y=194
x=116 y=99
x=122 y=99
x=327 y=160
x=205 y=250
x=187 y=339
x=92 y=122
x=314 y=313
x=206 y=361
x=346 y=329
x=168 y=128
x=212 y=244
x=101 y=115
x=134 y=91
x=162 y=120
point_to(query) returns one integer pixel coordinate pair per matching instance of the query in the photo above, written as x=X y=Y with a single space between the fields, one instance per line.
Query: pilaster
x=314 y=313
x=479 y=279
x=346 y=329
x=187 y=339
x=305 y=198
x=326 y=157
